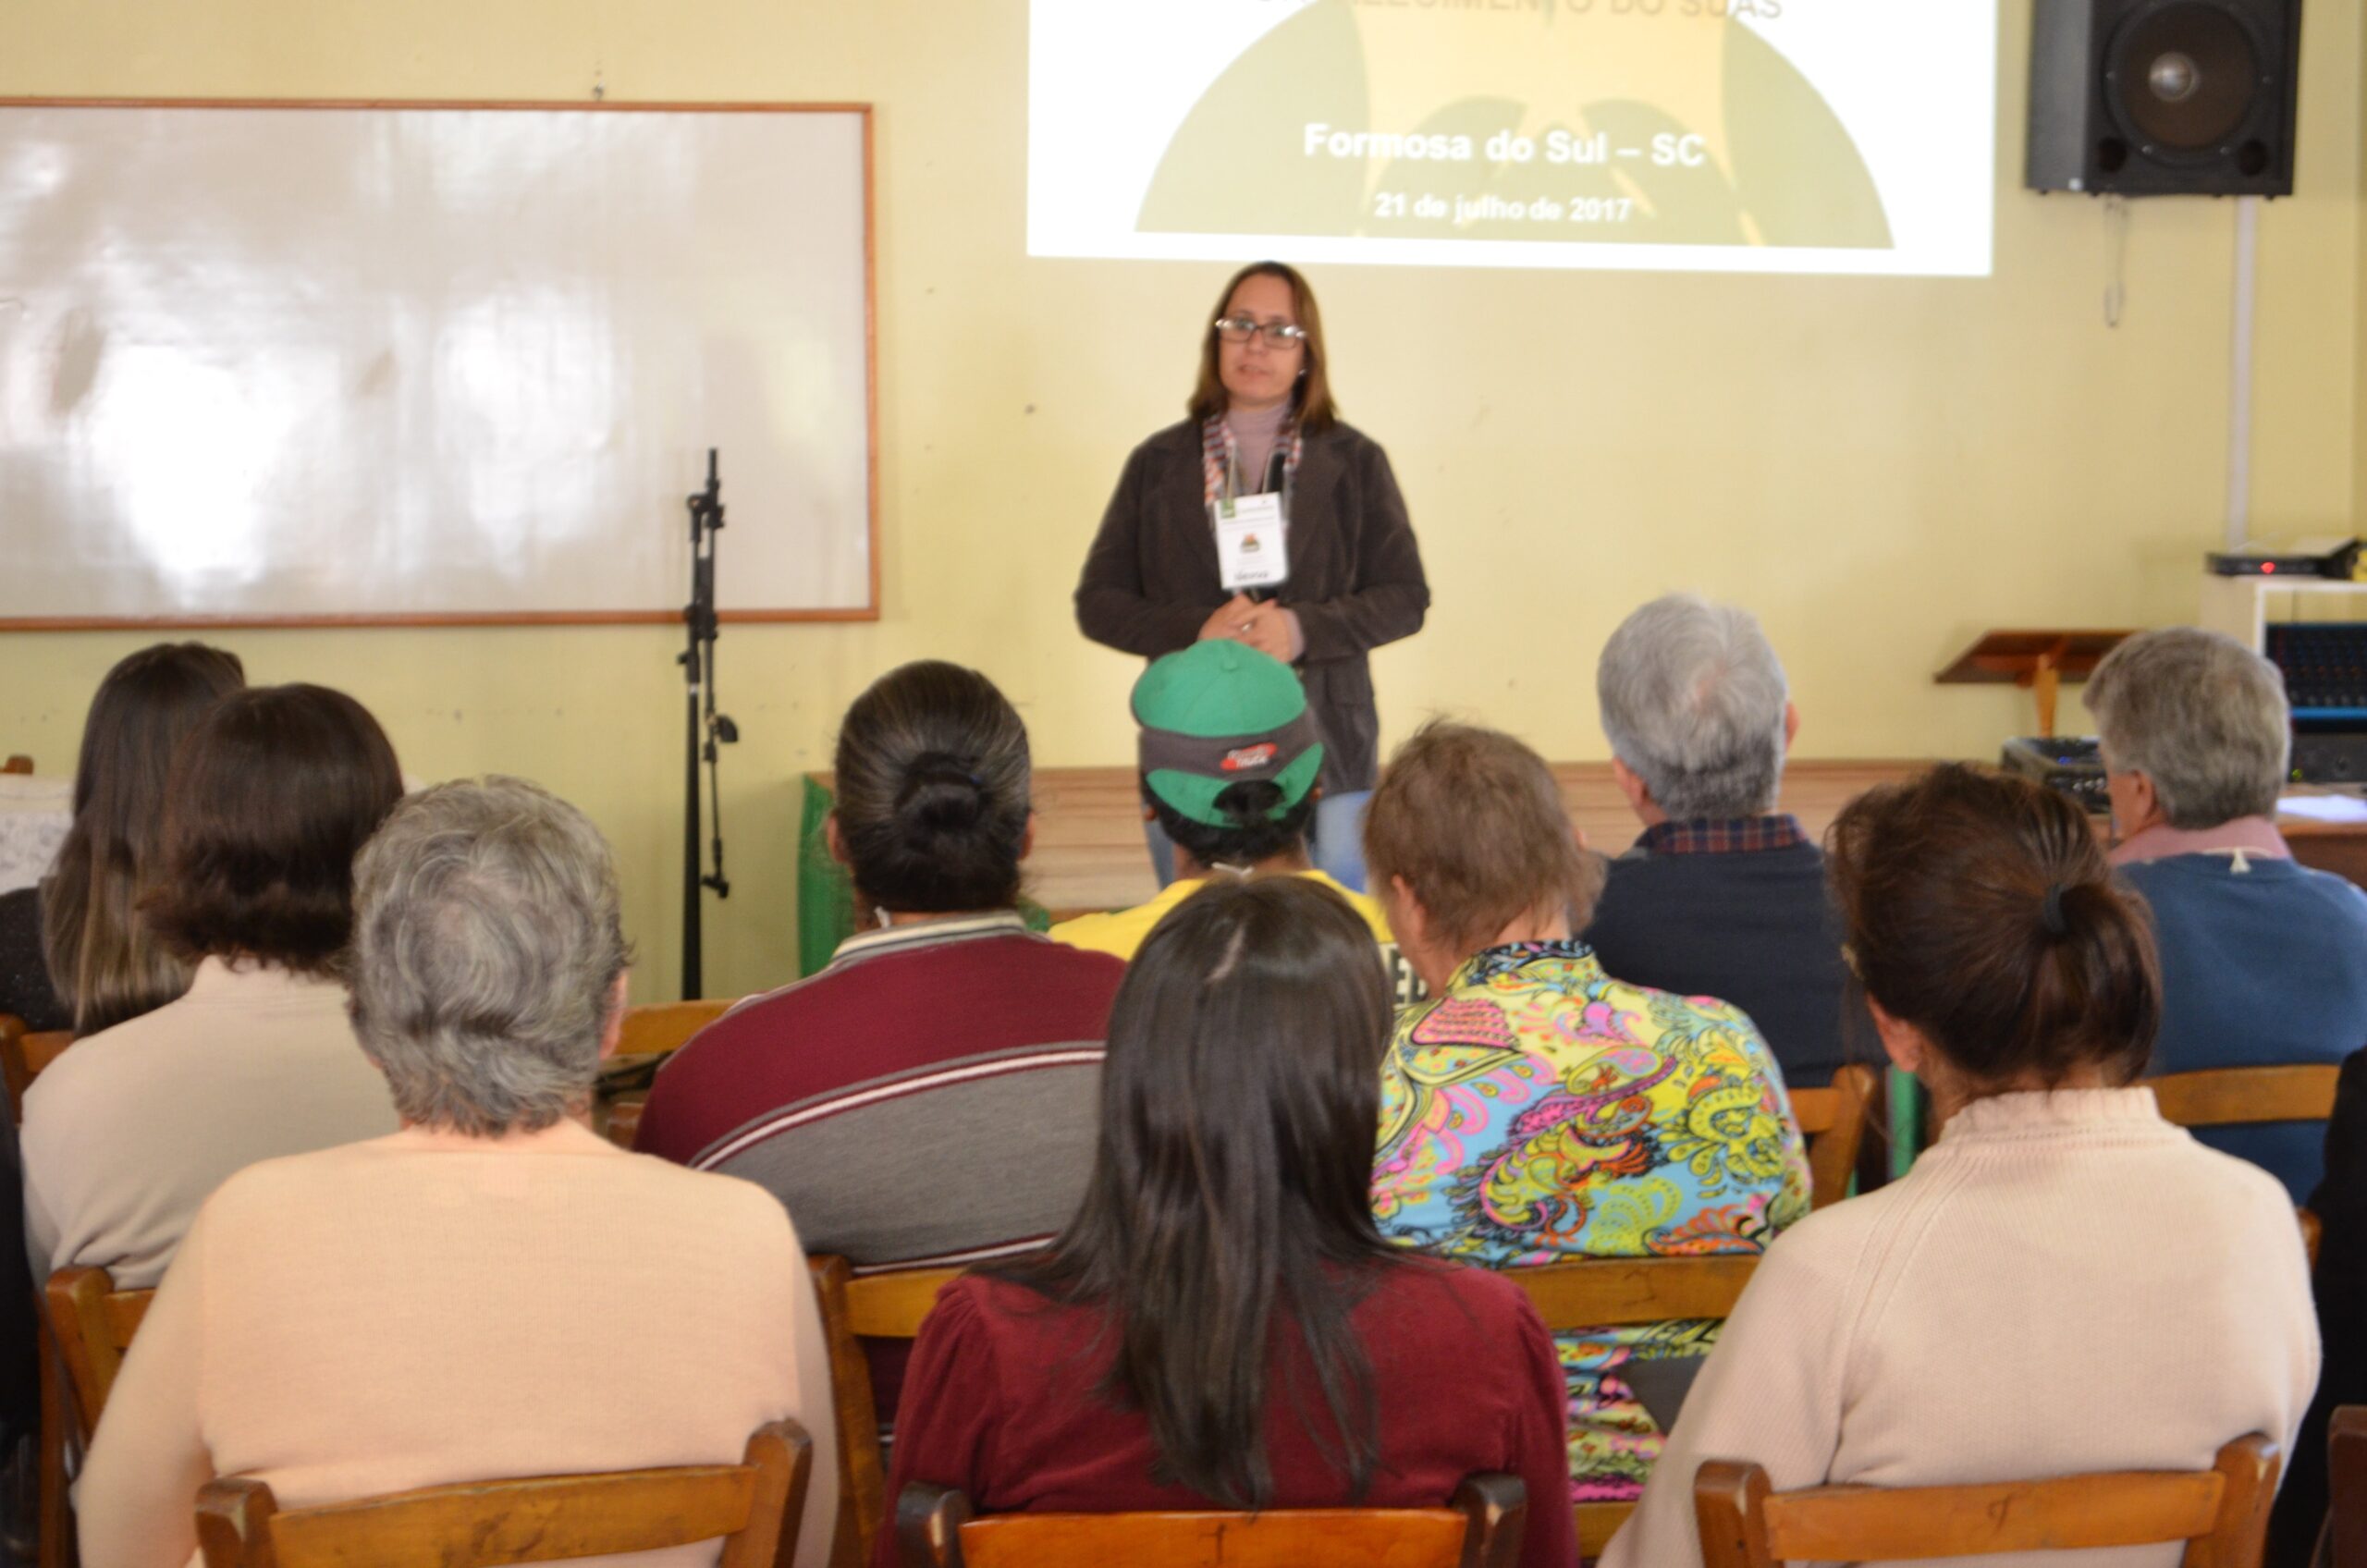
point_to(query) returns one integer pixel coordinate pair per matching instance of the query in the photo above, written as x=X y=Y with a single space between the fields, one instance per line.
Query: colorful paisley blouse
x=1540 y=1111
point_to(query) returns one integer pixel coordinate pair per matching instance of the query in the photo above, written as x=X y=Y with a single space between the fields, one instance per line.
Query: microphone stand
x=708 y=729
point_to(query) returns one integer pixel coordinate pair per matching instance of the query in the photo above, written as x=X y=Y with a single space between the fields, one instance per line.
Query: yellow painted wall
x=2358 y=409
x=1883 y=468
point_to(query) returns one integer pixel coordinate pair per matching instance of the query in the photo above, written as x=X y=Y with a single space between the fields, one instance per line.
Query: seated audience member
x=269 y=799
x=1229 y=757
x=1723 y=895
x=81 y=923
x=1221 y=1325
x=2340 y=1204
x=472 y=1298
x=927 y=1098
x=2263 y=962
x=1535 y=1110
x=2065 y=1283
x=74 y=954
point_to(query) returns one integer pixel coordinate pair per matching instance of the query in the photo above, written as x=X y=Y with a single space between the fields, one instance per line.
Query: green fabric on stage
x=825 y=897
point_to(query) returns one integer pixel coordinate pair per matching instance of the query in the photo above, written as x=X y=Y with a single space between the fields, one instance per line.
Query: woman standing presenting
x=1264 y=519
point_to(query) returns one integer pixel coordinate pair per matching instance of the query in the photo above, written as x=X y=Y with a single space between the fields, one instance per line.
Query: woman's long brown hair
x=105 y=963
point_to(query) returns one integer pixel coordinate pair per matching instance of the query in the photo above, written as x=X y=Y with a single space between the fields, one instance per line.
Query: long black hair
x=1230 y=1188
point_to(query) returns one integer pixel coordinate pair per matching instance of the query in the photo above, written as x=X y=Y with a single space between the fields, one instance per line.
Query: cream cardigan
x=2066 y=1282
x=429 y=1307
x=132 y=1128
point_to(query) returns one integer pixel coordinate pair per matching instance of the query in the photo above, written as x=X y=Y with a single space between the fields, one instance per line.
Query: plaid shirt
x=1710 y=835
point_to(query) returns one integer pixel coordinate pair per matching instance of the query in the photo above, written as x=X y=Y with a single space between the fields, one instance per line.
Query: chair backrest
x=1834 y=1120
x=2220 y=1513
x=1480 y=1530
x=2219 y=1095
x=1613 y=1292
x=623 y=1122
x=754 y=1506
x=2346 y=1485
x=659 y=1029
x=23 y=1055
x=873 y=1306
x=94 y=1322
x=12 y=1061
x=668 y=1027
x=17 y=763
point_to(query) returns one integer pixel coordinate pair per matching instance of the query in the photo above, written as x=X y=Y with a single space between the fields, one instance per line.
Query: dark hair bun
x=1981 y=910
x=2069 y=908
x=932 y=791
x=939 y=797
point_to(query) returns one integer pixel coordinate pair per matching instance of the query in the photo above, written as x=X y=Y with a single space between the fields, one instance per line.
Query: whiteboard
x=321 y=364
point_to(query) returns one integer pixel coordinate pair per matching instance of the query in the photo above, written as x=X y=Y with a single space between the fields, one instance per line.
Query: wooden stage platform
x=1089 y=853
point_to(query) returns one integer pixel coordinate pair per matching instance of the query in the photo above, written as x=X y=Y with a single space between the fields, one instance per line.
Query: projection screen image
x=1810 y=136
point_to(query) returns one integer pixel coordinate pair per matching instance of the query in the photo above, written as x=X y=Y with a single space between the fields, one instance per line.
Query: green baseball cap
x=1216 y=715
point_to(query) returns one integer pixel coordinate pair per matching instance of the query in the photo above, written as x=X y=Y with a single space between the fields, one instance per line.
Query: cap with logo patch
x=1216 y=715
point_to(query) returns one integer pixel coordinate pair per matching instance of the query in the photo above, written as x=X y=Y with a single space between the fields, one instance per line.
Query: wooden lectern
x=2038 y=661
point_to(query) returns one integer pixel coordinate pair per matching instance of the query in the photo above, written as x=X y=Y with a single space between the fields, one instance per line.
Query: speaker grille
x=2182 y=77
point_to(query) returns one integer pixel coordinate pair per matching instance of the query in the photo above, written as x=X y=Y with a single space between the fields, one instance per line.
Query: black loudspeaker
x=2164 y=97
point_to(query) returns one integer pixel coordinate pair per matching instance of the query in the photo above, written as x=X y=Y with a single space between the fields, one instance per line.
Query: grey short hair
x=487 y=940
x=1692 y=698
x=2202 y=715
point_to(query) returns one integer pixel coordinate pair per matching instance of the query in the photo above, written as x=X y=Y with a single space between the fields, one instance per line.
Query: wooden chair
x=754 y=1506
x=1833 y=1120
x=2223 y=1096
x=17 y=763
x=1614 y=1293
x=2220 y=1513
x=876 y=1307
x=622 y=1124
x=94 y=1323
x=1480 y=1530
x=22 y=1057
x=62 y=1411
x=54 y=1524
x=662 y=1027
x=659 y=1029
x=12 y=1059
x=2347 y=1486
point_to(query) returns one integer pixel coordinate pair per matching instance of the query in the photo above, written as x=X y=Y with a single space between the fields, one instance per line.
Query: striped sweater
x=929 y=1098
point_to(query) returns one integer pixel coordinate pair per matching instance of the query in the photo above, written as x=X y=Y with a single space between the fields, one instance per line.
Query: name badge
x=1252 y=542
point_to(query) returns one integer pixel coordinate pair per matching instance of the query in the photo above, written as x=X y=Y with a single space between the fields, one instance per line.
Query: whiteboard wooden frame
x=870 y=611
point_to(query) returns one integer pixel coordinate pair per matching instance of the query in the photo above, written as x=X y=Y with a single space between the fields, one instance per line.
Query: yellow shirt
x=1123 y=931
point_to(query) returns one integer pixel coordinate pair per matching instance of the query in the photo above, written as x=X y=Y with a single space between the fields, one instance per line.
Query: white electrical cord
x=2240 y=383
x=2116 y=256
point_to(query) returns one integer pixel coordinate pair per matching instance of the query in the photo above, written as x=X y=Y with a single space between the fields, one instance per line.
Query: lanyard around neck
x=1220 y=460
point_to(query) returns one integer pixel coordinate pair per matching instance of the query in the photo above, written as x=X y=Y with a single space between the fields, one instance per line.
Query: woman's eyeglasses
x=1278 y=334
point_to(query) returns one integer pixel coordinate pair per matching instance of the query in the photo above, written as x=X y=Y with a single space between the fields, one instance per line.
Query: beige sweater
x=130 y=1131
x=430 y=1307
x=2066 y=1282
